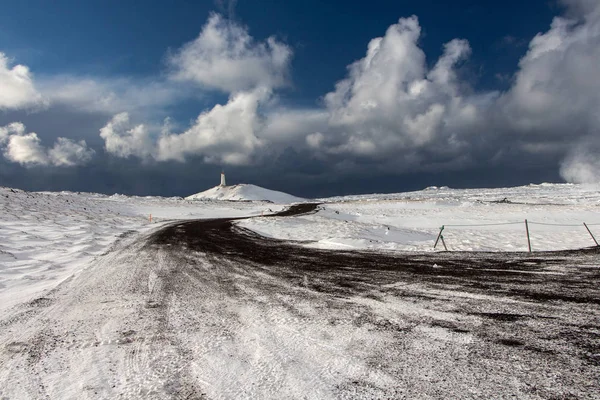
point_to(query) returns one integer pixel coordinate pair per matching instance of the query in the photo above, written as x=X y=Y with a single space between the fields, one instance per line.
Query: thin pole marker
x=528 y=239
x=438 y=237
x=591 y=234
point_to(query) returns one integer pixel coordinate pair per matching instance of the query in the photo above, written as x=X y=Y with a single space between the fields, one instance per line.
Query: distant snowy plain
x=474 y=220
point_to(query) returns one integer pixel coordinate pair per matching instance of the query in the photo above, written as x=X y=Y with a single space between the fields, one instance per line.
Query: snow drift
x=245 y=192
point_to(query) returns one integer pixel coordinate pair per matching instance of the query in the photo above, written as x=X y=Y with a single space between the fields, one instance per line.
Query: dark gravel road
x=352 y=272
x=509 y=324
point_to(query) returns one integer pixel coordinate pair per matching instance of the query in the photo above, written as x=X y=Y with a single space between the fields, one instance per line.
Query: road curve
x=353 y=271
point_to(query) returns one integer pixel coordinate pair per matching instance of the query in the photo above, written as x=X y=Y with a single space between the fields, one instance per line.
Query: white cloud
x=225 y=57
x=112 y=95
x=227 y=6
x=557 y=84
x=226 y=134
x=392 y=106
x=16 y=128
x=26 y=148
x=289 y=126
x=68 y=153
x=391 y=102
x=91 y=94
x=555 y=101
x=581 y=8
x=17 y=88
x=315 y=140
x=123 y=140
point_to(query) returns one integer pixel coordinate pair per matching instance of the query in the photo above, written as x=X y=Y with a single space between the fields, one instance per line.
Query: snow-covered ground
x=47 y=237
x=93 y=305
x=474 y=220
x=245 y=192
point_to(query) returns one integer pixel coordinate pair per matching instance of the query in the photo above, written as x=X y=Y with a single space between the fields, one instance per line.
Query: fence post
x=528 y=239
x=591 y=234
x=438 y=237
x=444 y=243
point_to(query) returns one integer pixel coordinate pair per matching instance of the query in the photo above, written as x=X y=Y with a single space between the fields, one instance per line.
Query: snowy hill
x=245 y=192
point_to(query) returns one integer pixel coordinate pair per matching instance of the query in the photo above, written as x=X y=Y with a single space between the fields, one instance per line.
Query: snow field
x=161 y=321
x=474 y=220
x=46 y=237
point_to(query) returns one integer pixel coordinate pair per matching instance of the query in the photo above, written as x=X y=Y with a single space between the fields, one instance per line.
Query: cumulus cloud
x=557 y=84
x=389 y=102
x=69 y=153
x=226 y=134
x=393 y=106
x=555 y=101
x=16 y=128
x=225 y=57
x=26 y=148
x=581 y=8
x=17 y=86
x=392 y=103
x=227 y=6
x=122 y=139
x=97 y=95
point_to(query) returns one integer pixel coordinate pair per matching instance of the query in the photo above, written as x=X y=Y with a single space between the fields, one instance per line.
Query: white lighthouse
x=223 y=179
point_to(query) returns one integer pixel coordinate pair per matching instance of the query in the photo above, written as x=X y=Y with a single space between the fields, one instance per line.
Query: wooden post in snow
x=438 y=238
x=444 y=243
x=528 y=239
x=591 y=234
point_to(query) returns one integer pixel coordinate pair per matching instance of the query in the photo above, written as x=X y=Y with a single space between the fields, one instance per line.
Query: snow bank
x=245 y=192
x=45 y=237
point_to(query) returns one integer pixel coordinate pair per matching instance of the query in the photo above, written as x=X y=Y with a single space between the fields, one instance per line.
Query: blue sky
x=311 y=97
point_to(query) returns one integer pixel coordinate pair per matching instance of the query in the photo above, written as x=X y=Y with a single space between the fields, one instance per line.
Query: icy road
x=207 y=309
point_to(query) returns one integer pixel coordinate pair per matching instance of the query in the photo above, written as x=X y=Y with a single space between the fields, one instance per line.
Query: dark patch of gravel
x=345 y=273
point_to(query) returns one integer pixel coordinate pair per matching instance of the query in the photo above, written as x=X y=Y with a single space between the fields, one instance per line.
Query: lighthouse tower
x=222 y=179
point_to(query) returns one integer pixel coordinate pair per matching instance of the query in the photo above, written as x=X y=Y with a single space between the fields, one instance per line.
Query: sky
x=315 y=98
